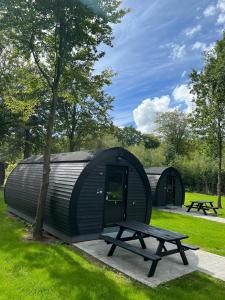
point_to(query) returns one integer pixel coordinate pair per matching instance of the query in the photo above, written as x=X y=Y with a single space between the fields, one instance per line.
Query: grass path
x=38 y=271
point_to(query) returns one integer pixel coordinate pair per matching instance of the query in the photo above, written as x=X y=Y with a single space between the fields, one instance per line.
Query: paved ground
x=182 y=211
x=169 y=267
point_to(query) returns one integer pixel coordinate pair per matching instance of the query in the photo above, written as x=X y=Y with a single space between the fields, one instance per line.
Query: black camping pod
x=87 y=192
x=166 y=186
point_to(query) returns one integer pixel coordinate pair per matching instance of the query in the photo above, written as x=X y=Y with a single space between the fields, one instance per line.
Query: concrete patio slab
x=169 y=268
x=182 y=211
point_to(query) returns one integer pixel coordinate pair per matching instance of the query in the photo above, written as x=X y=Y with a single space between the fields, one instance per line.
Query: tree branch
x=37 y=61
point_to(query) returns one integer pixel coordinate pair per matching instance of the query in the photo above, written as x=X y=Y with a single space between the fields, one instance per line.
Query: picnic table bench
x=141 y=231
x=203 y=205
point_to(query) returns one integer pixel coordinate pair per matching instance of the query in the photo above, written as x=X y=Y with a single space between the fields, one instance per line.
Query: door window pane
x=115 y=184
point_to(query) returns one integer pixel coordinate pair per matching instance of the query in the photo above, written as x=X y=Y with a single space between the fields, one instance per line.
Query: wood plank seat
x=210 y=208
x=187 y=246
x=147 y=255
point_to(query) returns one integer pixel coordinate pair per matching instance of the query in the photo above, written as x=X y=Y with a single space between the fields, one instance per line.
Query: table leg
x=118 y=236
x=213 y=208
x=203 y=209
x=142 y=242
x=190 y=207
x=205 y=212
x=160 y=247
x=182 y=253
x=164 y=247
x=152 y=269
x=199 y=206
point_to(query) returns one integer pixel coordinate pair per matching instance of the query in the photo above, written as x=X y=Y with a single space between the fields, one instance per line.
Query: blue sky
x=157 y=44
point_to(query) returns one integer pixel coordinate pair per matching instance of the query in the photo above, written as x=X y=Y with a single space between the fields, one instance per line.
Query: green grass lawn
x=196 y=196
x=33 y=270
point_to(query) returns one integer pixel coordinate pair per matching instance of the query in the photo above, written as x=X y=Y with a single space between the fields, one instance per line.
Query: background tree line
x=187 y=142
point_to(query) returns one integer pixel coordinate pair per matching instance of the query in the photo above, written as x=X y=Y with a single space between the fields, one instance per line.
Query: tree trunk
x=27 y=144
x=219 y=167
x=72 y=144
x=39 y=220
x=38 y=224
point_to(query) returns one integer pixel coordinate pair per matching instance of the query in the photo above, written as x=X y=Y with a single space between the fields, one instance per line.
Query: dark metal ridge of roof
x=157 y=170
x=78 y=156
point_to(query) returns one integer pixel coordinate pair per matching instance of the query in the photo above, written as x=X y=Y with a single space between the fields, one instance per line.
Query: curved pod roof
x=166 y=186
x=76 y=201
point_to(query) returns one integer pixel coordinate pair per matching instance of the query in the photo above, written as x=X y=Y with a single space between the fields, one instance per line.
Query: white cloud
x=178 y=51
x=221 y=5
x=221 y=9
x=218 y=9
x=202 y=46
x=210 y=11
x=193 y=30
x=182 y=94
x=145 y=114
x=221 y=19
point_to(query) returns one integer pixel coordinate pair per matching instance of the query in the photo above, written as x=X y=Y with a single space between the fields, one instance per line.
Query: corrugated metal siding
x=90 y=205
x=136 y=196
x=160 y=198
x=23 y=188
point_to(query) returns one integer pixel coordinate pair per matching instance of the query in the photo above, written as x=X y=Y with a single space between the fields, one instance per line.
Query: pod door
x=115 y=195
x=170 y=189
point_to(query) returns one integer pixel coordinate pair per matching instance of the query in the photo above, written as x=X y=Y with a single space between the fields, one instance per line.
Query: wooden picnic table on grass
x=203 y=205
x=141 y=231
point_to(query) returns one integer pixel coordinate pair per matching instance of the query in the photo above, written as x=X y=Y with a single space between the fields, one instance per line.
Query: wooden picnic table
x=203 y=205
x=141 y=231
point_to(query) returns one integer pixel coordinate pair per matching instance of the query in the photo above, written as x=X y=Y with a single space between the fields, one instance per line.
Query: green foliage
x=174 y=130
x=22 y=113
x=108 y=140
x=199 y=172
x=148 y=157
x=208 y=118
x=54 y=44
x=208 y=88
x=150 y=141
x=83 y=108
x=129 y=136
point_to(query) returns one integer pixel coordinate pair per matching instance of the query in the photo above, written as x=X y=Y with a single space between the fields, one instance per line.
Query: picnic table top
x=153 y=231
x=202 y=201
